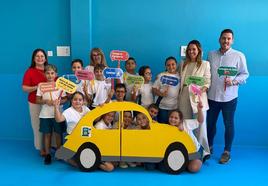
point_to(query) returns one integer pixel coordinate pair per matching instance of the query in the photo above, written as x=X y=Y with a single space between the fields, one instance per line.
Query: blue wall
x=149 y=30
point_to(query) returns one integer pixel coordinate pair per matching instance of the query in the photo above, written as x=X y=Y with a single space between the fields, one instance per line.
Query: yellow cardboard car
x=161 y=143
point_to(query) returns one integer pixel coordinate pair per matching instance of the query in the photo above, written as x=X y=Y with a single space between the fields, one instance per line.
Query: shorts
x=49 y=125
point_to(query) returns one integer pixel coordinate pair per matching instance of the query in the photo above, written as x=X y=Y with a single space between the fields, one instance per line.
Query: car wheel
x=88 y=157
x=176 y=158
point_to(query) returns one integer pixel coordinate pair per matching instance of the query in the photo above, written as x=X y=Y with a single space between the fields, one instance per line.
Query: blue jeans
x=228 y=112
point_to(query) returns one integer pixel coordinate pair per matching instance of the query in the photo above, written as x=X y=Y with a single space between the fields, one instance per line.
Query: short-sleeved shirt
x=100 y=89
x=33 y=77
x=72 y=117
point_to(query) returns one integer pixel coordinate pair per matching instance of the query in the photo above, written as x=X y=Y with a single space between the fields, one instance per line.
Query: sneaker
x=205 y=158
x=225 y=158
x=123 y=165
x=47 y=159
x=131 y=164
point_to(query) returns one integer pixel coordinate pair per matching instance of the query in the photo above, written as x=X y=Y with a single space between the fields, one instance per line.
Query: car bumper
x=64 y=153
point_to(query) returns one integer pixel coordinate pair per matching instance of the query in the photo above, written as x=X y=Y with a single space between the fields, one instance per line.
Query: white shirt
x=189 y=125
x=72 y=117
x=146 y=94
x=46 y=110
x=169 y=102
x=100 y=89
x=102 y=125
x=231 y=58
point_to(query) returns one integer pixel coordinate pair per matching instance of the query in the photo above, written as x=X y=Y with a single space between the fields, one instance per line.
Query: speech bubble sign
x=195 y=89
x=134 y=80
x=227 y=71
x=112 y=73
x=47 y=86
x=66 y=85
x=84 y=75
x=169 y=80
x=117 y=55
x=72 y=78
x=200 y=81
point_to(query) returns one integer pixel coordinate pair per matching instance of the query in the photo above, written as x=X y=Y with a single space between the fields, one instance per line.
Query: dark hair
x=153 y=105
x=77 y=92
x=121 y=85
x=51 y=67
x=179 y=112
x=99 y=67
x=228 y=30
x=77 y=61
x=142 y=70
x=34 y=54
x=131 y=58
x=199 y=56
x=170 y=58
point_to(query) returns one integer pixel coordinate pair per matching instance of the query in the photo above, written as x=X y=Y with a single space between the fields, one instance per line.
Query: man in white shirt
x=223 y=92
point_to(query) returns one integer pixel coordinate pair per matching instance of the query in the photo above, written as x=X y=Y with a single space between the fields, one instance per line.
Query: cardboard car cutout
x=161 y=143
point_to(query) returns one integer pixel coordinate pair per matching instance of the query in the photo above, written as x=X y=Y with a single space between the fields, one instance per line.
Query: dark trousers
x=228 y=112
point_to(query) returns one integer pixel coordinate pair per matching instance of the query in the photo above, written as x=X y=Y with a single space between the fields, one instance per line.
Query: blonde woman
x=96 y=57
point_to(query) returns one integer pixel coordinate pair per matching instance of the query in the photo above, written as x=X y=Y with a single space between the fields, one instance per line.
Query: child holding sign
x=166 y=87
x=99 y=90
x=144 y=94
x=45 y=96
x=130 y=67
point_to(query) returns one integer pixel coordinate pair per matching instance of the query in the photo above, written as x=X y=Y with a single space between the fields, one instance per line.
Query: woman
x=96 y=57
x=195 y=66
x=32 y=77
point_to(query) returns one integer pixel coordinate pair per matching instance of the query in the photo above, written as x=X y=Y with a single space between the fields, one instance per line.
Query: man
x=223 y=93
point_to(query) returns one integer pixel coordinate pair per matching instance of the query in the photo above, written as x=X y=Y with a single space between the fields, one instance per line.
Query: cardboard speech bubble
x=227 y=71
x=169 y=80
x=84 y=75
x=117 y=55
x=47 y=87
x=200 y=81
x=112 y=73
x=134 y=80
x=66 y=85
x=72 y=78
x=195 y=89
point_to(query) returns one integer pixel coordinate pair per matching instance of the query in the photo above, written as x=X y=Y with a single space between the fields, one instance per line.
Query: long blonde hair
x=99 y=51
x=199 y=56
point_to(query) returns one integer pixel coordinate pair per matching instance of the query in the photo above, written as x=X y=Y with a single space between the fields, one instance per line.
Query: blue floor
x=21 y=165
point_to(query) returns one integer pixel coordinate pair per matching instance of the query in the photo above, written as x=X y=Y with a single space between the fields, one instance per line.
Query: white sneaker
x=131 y=164
x=123 y=165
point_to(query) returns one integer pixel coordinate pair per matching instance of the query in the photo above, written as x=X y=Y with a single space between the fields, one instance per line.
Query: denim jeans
x=228 y=112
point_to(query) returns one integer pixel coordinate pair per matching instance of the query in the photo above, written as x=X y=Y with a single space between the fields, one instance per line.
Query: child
x=106 y=123
x=77 y=64
x=73 y=114
x=142 y=121
x=188 y=125
x=168 y=94
x=153 y=111
x=48 y=123
x=130 y=67
x=99 y=90
x=144 y=94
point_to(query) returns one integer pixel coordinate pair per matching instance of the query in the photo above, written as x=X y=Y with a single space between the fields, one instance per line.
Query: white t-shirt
x=169 y=102
x=189 y=125
x=46 y=110
x=102 y=125
x=100 y=89
x=72 y=117
x=146 y=94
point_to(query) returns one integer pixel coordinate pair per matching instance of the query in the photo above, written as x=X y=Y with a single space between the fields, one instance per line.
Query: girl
x=144 y=94
x=96 y=57
x=106 y=123
x=73 y=114
x=77 y=64
x=188 y=125
x=195 y=66
x=167 y=94
x=32 y=77
x=48 y=123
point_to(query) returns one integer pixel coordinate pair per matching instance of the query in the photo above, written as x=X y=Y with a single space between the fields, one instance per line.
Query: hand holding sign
x=112 y=73
x=134 y=80
x=226 y=71
x=66 y=85
x=48 y=87
x=117 y=55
